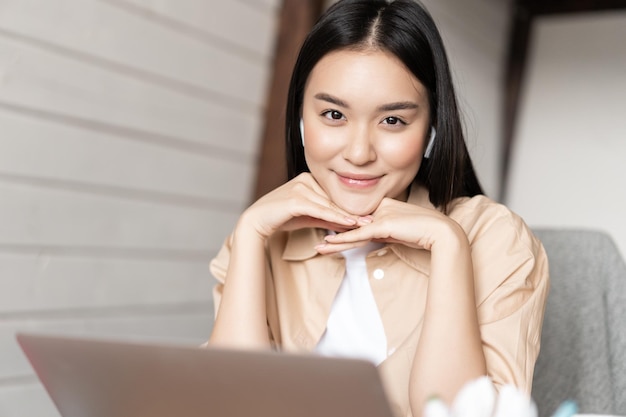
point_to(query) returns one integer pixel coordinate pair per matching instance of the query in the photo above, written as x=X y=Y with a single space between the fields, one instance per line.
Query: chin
x=358 y=208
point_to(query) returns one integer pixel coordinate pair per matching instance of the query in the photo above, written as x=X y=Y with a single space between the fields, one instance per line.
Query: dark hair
x=406 y=29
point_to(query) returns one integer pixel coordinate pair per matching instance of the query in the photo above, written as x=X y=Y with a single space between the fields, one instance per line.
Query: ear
x=431 y=141
x=302 y=131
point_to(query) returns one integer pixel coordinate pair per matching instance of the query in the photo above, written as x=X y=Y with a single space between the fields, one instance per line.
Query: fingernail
x=320 y=246
x=365 y=219
x=350 y=220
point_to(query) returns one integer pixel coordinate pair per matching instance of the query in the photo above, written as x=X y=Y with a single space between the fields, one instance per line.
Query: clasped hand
x=302 y=203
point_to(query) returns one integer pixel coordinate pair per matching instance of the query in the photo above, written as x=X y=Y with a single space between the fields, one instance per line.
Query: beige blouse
x=511 y=284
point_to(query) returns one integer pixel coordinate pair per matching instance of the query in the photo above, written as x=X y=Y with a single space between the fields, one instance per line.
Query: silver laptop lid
x=100 y=378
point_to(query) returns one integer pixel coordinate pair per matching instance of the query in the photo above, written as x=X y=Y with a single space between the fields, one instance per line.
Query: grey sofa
x=583 y=344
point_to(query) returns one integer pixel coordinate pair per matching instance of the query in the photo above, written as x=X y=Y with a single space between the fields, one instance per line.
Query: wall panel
x=26 y=399
x=210 y=20
x=129 y=133
x=37 y=78
x=190 y=327
x=38 y=148
x=109 y=36
x=39 y=281
x=54 y=216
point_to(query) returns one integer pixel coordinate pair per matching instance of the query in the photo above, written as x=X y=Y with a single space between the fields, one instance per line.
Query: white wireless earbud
x=302 y=131
x=431 y=141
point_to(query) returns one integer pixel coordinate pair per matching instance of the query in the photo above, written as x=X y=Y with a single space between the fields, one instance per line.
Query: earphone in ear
x=302 y=131
x=431 y=141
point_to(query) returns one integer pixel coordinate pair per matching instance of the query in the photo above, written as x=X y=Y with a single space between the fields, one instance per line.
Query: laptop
x=106 y=378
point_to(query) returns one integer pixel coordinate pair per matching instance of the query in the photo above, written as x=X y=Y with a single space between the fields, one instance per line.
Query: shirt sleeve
x=511 y=282
x=218 y=267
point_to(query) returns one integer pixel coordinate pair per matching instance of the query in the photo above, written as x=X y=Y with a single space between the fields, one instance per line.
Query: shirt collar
x=301 y=244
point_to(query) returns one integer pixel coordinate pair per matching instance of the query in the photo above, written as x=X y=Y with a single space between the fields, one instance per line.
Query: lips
x=353 y=180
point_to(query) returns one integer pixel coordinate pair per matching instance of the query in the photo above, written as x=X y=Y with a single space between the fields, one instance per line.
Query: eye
x=393 y=121
x=333 y=115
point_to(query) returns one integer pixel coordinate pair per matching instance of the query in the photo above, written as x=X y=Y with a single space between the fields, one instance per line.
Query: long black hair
x=405 y=29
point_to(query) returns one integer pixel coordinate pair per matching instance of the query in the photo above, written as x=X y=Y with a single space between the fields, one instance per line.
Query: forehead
x=371 y=75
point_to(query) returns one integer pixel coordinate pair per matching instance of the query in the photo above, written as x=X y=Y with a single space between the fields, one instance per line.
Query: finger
x=333 y=216
x=327 y=248
x=316 y=188
x=309 y=214
x=314 y=194
x=308 y=221
x=366 y=232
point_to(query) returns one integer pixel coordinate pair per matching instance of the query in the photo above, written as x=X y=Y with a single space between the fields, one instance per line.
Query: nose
x=359 y=147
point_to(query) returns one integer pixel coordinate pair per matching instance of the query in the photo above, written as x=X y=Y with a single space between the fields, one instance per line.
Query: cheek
x=320 y=146
x=401 y=153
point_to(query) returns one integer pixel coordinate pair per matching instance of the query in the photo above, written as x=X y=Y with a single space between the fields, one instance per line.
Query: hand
x=297 y=204
x=396 y=222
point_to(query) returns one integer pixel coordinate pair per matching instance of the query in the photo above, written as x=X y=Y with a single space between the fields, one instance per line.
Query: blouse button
x=379 y=274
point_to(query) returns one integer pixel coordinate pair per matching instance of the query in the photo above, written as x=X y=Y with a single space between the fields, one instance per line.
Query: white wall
x=128 y=142
x=570 y=152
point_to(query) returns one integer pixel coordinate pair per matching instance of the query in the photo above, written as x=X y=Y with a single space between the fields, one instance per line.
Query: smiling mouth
x=358 y=181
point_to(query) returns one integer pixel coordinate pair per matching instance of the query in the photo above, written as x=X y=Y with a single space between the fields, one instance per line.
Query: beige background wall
x=128 y=141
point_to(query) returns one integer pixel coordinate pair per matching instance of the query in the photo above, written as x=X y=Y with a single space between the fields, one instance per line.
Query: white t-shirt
x=354 y=327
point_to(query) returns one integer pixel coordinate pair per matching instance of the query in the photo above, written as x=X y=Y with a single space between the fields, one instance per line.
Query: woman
x=381 y=245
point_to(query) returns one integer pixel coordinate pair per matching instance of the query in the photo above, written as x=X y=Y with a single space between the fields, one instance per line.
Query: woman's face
x=366 y=120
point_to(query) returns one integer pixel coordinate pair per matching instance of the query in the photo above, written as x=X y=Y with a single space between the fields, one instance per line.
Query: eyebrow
x=330 y=99
x=401 y=105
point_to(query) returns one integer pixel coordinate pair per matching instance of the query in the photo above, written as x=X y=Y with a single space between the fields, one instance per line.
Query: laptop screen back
x=99 y=378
